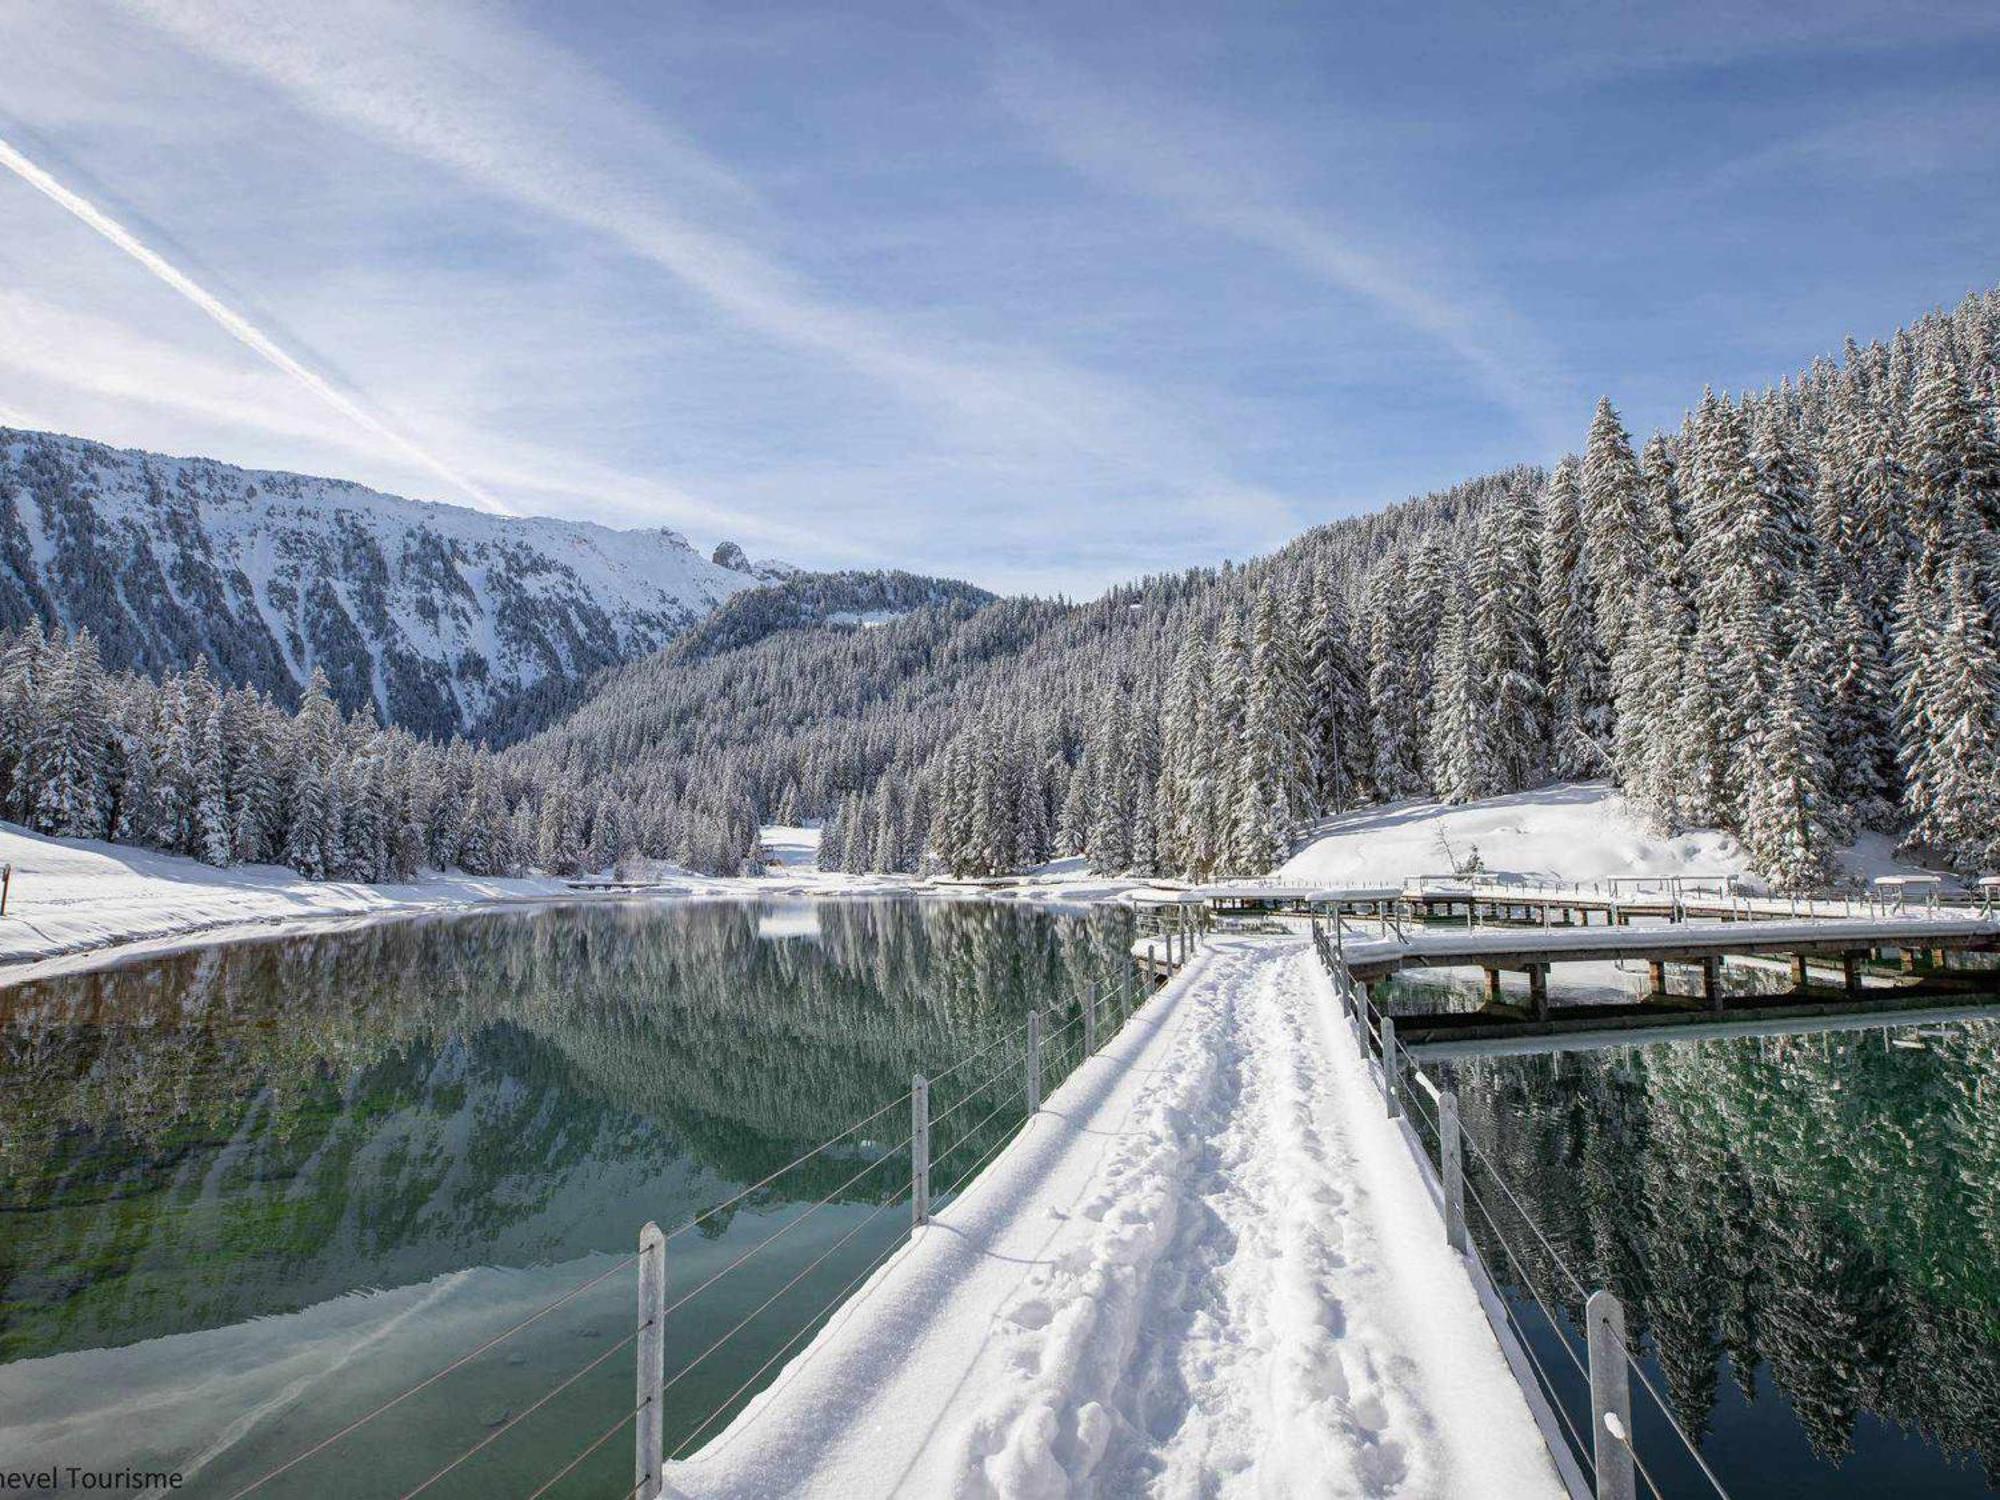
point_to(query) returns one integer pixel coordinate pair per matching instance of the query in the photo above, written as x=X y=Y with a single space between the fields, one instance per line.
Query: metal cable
x=507 y=1427
x=973 y=1133
x=1584 y=1451
x=1640 y=1464
x=1694 y=1452
x=361 y=1421
x=970 y=1096
x=797 y=1277
x=984 y=1157
x=788 y=1227
x=865 y=1271
x=598 y=1442
x=1528 y=1283
x=709 y=1213
x=1526 y=1218
x=1005 y=1036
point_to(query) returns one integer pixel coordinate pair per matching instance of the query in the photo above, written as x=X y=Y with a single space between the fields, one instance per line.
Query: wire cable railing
x=1100 y=1011
x=1404 y=1082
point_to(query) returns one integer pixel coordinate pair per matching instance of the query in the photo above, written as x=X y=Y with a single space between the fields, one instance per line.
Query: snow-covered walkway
x=1208 y=1268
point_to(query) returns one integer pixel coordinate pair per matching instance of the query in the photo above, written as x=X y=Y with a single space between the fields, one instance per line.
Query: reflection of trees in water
x=400 y=1099
x=1825 y=1205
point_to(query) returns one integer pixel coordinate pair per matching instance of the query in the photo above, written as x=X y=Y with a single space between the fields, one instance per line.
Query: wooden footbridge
x=1847 y=956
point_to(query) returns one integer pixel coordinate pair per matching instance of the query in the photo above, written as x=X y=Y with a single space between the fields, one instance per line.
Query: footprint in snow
x=1034 y=1313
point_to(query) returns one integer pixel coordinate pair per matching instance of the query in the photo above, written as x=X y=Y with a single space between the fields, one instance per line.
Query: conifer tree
x=1613 y=505
x=1788 y=830
x=1578 y=693
x=1502 y=645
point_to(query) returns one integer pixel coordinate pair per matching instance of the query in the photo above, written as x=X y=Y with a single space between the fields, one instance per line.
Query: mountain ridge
x=443 y=618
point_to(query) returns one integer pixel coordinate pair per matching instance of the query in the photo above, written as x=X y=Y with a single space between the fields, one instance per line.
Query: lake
x=249 y=1193
x=1805 y=1232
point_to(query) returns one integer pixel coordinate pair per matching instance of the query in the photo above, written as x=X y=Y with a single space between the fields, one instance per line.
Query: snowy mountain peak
x=436 y=614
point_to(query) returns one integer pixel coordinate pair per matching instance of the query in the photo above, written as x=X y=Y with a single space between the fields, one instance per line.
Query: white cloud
x=232 y=322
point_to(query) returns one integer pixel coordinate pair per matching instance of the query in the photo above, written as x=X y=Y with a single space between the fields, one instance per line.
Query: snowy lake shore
x=80 y=903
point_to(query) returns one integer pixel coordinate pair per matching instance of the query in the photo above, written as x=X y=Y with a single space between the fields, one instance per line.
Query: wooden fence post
x=920 y=1152
x=1389 y=1068
x=1451 y=1158
x=1610 y=1397
x=6 y=884
x=1090 y=1024
x=649 y=1451
x=1034 y=1080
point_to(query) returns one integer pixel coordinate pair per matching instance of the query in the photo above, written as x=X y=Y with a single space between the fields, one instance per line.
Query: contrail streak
x=234 y=323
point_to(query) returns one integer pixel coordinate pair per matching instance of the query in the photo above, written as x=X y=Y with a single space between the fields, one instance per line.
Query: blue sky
x=1042 y=296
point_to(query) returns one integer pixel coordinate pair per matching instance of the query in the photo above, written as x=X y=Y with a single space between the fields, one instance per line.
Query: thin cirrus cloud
x=1129 y=149
x=449 y=88
x=234 y=323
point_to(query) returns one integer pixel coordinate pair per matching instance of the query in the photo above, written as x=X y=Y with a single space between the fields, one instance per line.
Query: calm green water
x=249 y=1192
x=1805 y=1232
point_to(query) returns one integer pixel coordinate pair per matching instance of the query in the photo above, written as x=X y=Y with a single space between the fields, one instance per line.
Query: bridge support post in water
x=1492 y=986
x=1850 y=972
x=920 y=1152
x=1610 y=1397
x=649 y=1443
x=1799 y=972
x=1538 y=991
x=1034 y=1079
x=1656 y=971
x=1711 y=982
x=1451 y=1160
x=1389 y=1068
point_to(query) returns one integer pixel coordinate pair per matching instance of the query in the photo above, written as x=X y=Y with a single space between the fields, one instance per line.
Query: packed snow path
x=1209 y=1267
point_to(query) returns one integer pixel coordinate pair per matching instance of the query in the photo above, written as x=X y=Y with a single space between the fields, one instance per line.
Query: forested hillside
x=1778 y=617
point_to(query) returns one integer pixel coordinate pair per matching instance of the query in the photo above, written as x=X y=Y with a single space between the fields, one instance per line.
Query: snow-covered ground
x=76 y=903
x=1576 y=831
x=1209 y=1267
x=76 y=897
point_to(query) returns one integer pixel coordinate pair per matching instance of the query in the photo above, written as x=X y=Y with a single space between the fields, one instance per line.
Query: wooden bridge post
x=1610 y=1397
x=1034 y=1078
x=1656 y=971
x=920 y=1152
x=1799 y=972
x=1492 y=986
x=1389 y=1068
x=1451 y=1160
x=1538 y=990
x=649 y=1443
x=1711 y=982
x=1850 y=973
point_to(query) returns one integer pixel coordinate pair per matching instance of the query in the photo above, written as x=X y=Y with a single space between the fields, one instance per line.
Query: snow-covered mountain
x=437 y=614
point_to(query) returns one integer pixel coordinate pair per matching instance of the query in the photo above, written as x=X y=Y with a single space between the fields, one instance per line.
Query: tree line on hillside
x=227 y=776
x=1779 y=619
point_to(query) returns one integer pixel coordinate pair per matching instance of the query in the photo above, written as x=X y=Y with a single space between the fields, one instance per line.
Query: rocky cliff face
x=441 y=617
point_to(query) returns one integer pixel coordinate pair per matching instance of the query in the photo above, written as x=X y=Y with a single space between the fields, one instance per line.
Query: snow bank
x=1575 y=832
x=73 y=897
x=1209 y=1266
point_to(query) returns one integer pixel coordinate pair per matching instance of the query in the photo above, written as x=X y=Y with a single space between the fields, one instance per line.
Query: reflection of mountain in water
x=243 y=1130
x=1827 y=1207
